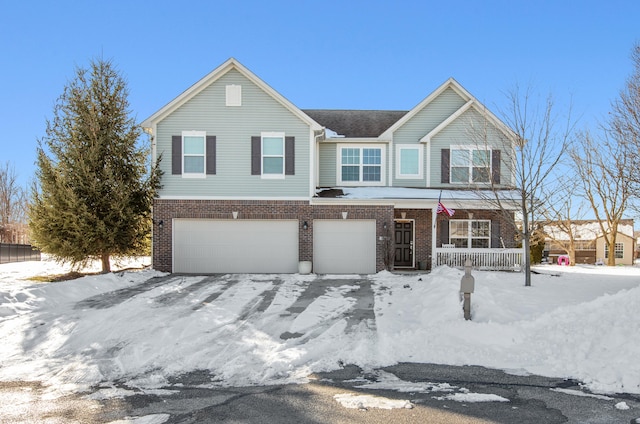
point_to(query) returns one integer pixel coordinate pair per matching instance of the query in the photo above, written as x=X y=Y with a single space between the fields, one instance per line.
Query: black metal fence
x=18 y=253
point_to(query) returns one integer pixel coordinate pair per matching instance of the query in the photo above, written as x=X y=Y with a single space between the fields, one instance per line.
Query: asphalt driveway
x=190 y=399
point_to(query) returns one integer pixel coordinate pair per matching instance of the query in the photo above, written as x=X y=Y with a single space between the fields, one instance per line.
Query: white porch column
x=434 y=216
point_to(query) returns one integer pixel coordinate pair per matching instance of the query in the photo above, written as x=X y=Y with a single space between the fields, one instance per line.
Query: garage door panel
x=344 y=246
x=235 y=246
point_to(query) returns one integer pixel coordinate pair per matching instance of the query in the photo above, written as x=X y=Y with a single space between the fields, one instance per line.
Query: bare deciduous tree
x=602 y=166
x=607 y=162
x=13 y=205
x=539 y=140
x=563 y=215
x=624 y=125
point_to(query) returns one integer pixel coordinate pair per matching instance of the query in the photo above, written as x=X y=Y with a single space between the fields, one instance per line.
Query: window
x=272 y=154
x=361 y=165
x=466 y=233
x=619 y=250
x=193 y=153
x=409 y=161
x=470 y=165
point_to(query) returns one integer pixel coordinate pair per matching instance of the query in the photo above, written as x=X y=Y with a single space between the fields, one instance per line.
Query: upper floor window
x=409 y=161
x=361 y=165
x=193 y=153
x=273 y=154
x=468 y=233
x=470 y=165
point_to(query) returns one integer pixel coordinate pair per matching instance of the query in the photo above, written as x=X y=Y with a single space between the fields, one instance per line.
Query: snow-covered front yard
x=140 y=328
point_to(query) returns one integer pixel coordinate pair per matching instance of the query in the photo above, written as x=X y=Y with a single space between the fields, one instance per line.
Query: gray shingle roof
x=356 y=123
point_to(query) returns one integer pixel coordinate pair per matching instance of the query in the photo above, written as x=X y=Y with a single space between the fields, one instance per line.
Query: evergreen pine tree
x=94 y=189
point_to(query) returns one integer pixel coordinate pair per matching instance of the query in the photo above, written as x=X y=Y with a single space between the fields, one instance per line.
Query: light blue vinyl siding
x=328 y=163
x=233 y=128
x=469 y=129
x=420 y=125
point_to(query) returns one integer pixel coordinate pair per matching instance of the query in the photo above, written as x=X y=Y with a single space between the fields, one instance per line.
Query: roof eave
x=214 y=75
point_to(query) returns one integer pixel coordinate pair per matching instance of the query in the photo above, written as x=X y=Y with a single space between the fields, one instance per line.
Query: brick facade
x=422 y=234
x=507 y=231
x=164 y=211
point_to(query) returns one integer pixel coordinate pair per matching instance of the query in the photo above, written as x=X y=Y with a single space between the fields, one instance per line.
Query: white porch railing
x=488 y=259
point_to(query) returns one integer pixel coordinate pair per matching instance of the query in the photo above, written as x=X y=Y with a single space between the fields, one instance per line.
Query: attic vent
x=234 y=95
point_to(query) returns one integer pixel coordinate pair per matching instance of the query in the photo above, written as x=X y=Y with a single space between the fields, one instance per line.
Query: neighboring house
x=590 y=246
x=254 y=184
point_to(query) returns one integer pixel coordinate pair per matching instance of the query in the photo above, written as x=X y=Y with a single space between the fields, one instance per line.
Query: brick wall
x=507 y=231
x=422 y=234
x=165 y=210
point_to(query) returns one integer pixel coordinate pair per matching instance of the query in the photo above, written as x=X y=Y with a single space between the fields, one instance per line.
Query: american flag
x=443 y=209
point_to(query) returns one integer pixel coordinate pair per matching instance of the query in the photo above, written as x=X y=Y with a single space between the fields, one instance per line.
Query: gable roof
x=214 y=75
x=587 y=229
x=470 y=101
x=356 y=123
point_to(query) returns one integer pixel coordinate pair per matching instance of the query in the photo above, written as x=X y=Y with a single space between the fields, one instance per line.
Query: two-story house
x=254 y=184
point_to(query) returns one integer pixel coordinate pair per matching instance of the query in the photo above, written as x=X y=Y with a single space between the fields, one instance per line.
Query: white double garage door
x=271 y=246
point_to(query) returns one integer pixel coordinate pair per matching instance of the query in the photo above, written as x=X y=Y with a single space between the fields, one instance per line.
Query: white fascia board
x=448 y=83
x=455 y=115
x=464 y=94
x=215 y=75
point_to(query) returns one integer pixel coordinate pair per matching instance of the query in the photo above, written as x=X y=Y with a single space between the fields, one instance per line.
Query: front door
x=403 y=244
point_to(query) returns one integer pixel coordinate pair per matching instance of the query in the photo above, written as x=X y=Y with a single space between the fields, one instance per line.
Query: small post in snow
x=467 y=285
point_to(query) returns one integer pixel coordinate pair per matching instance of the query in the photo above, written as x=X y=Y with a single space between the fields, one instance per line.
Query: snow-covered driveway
x=243 y=329
x=140 y=330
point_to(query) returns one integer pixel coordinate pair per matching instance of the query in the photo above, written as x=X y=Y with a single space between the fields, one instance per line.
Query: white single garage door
x=344 y=246
x=235 y=246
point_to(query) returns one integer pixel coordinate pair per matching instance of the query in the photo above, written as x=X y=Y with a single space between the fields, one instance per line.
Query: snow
x=125 y=332
x=148 y=419
x=364 y=402
x=473 y=397
x=622 y=406
x=588 y=230
x=447 y=196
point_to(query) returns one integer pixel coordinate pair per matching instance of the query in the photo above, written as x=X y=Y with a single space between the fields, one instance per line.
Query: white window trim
x=469 y=232
x=617 y=244
x=470 y=164
x=262 y=156
x=420 y=149
x=361 y=147
x=202 y=174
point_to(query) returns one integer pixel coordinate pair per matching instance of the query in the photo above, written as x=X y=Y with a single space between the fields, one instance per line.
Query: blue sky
x=318 y=54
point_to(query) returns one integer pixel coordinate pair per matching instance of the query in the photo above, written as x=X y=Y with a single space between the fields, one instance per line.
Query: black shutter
x=176 y=154
x=290 y=155
x=495 y=234
x=256 y=156
x=211 y=155
x=495 y=166
x=444 y=232
x=444 y=165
